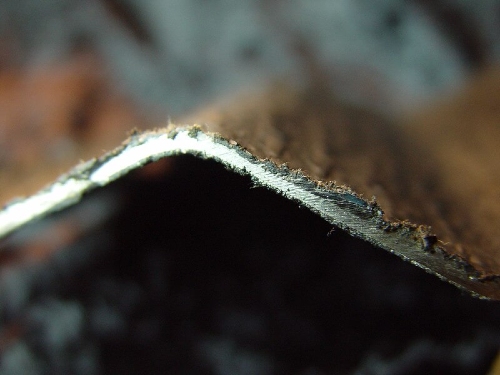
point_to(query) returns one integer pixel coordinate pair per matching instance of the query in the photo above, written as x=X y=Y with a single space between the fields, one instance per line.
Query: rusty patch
x=435 y=182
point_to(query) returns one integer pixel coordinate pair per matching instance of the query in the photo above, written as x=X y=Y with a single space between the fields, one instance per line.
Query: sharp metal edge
x=339 y=207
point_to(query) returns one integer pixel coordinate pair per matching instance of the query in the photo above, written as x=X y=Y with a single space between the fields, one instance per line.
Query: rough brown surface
x=459 y=142
x=439 y=169
x=434 y=177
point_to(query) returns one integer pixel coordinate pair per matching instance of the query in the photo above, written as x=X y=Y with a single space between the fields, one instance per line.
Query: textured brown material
x=436 y=188
x=440 y=171
x=459 y=158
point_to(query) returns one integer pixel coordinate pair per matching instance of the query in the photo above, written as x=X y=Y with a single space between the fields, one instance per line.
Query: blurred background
x=76 y=75
x=172 y=55
x=155 y=290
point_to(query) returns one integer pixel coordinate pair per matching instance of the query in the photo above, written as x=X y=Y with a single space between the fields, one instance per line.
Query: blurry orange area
x=495 y=368
x=52 y=117
x=156 y=169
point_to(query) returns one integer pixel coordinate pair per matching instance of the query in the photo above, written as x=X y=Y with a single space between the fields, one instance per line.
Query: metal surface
x=338 y=159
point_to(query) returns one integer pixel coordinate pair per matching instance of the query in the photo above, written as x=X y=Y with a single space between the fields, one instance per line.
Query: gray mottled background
x=176 y=54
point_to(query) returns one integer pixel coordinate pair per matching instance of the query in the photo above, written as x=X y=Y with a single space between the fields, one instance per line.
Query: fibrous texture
x=363 y=176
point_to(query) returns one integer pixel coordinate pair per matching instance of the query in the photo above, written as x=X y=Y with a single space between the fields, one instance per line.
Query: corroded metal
x=379 y=182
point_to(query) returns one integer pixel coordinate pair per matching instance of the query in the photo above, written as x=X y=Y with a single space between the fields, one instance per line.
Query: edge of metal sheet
x=338 y=205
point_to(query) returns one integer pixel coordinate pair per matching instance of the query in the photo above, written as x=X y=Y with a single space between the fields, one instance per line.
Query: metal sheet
x=382 y=183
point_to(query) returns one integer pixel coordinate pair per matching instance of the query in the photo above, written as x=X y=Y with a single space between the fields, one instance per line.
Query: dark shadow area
x=202 y=273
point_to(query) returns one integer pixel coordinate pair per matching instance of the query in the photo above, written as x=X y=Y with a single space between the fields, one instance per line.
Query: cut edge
x=337 y=204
